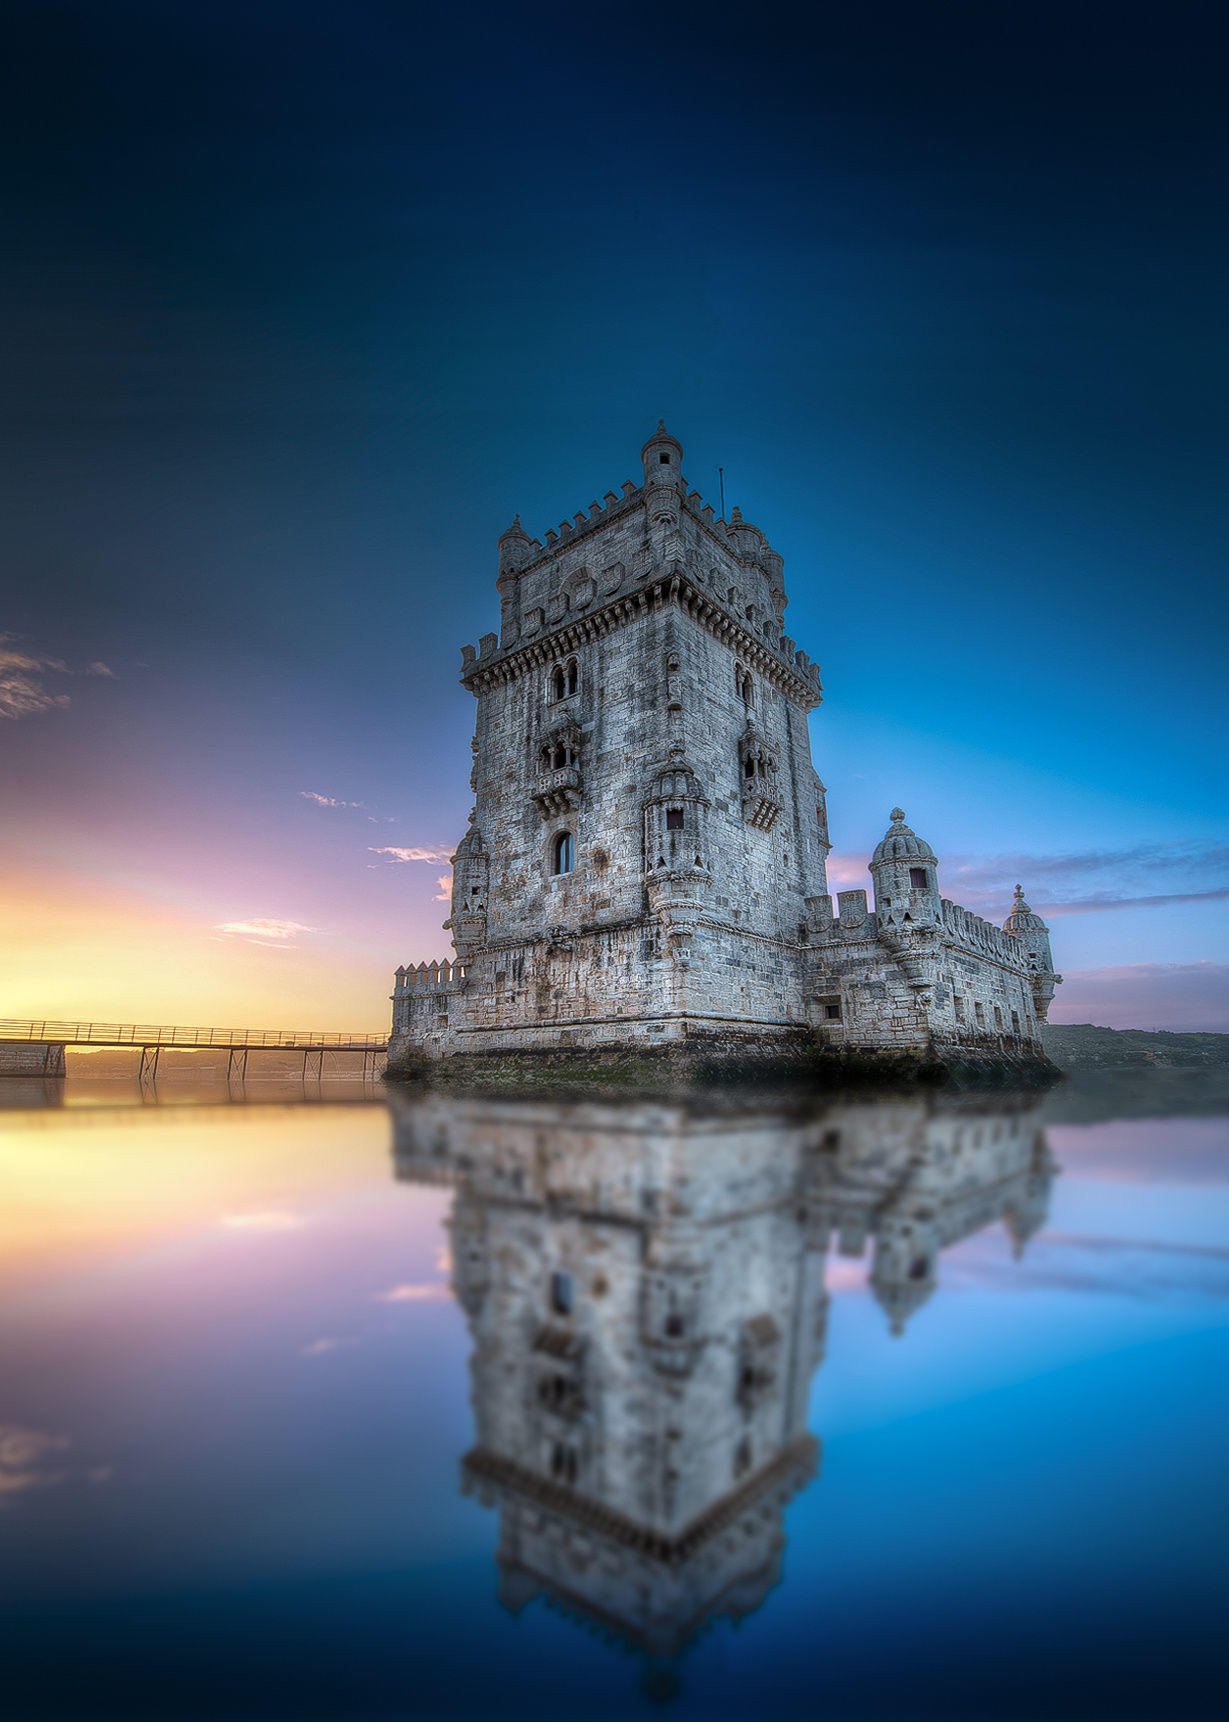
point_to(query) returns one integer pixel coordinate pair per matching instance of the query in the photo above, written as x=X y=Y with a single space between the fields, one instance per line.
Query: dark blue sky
x=301 y=303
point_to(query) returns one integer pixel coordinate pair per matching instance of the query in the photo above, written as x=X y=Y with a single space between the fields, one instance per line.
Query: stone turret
x=1033 y=936
x=908 y=909
x=516 y=550
x=902 y=1275
x=663 y=461
x=471 y=883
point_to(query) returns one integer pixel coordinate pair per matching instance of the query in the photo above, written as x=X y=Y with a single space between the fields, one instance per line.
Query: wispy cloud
x=22 y=689
x=264 y=1220
x=1137 y=1268
x=328 y=800
x=395 y=855
x=425 y=1291
x=23 y=680
x=23 y=1455
x=1148 y=876
x=444 y=894
x=264 y=931
x=327 y=1342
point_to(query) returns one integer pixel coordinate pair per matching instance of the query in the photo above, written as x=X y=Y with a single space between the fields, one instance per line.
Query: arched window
x=573 y=676
x=558 y=686
x=564 y=853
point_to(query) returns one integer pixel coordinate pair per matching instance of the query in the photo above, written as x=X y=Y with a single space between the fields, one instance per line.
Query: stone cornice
x=784 y=1474
x=672 y=587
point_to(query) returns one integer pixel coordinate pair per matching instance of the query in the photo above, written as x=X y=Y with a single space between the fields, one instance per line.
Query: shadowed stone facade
x=645 y=864
x=645 y=1292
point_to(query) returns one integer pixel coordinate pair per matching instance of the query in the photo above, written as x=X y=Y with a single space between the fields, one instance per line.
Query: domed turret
x=902 y=1275
x=514 y=547
x=899 y=843
x=471 y=883
x=1033 y=936
x=905 y=874
x=663 y=460
x=516 y=551
x=1022 y=920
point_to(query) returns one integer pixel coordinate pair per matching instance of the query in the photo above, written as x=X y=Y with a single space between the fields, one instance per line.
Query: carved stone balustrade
x=558 y=791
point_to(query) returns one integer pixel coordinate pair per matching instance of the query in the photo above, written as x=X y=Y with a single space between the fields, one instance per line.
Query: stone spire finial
x=1019 y=903
x=899 y=843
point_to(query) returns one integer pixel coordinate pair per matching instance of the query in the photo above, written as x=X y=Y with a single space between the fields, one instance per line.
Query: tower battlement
x=646 y=859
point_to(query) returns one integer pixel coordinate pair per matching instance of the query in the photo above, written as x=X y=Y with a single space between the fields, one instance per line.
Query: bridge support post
x=237 y=1063
x=313 y=1056
x=149 y=1064
x=32 y=1058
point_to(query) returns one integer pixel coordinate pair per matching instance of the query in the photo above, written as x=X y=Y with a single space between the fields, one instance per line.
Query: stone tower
x=642 y=767
x=645 y=863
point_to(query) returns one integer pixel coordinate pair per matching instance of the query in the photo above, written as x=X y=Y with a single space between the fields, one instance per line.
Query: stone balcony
x=558 y=791
x=759 y=807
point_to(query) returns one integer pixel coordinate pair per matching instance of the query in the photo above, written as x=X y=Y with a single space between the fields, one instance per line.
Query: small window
x=573 y=676
x=558 y=684
x=998 y=1017
x=1015 y=1022
x=674 y=819
x=917 y=878
x=663 y=459
x=562 y=1293
x=674 y=1325
x=564 y=852
x=832 y=1012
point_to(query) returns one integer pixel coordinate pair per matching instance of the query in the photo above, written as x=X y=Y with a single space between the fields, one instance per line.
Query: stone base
x=703 y=1059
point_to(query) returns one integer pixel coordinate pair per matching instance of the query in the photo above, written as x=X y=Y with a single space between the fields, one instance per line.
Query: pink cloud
x=427 y=1291
x=396 y=854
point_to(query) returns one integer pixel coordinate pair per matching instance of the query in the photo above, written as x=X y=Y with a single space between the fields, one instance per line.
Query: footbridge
x=37 y=1048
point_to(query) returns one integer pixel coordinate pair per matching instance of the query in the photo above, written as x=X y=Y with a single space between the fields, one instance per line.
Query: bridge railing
x=150 y=1034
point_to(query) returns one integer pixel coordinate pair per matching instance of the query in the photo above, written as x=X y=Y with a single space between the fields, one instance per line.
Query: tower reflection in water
x=645 y=1291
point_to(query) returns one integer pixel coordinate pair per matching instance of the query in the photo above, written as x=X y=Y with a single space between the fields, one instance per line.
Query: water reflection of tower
x=645 y=1293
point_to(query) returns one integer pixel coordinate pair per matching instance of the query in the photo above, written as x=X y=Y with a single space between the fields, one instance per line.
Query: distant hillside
x=1085 y=1047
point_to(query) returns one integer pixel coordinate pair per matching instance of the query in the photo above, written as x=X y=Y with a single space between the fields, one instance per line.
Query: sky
x=301 y=304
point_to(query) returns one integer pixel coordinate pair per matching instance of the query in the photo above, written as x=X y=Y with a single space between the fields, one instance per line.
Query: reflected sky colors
x=301 y=304
x=254 y=1352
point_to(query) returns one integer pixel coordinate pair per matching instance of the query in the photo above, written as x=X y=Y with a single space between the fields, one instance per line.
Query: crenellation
x=646 y=859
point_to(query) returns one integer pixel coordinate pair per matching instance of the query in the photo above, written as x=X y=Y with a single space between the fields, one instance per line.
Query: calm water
x=491 y=1409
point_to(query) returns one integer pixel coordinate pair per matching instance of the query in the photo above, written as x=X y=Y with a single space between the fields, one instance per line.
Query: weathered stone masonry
x=646 y=857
